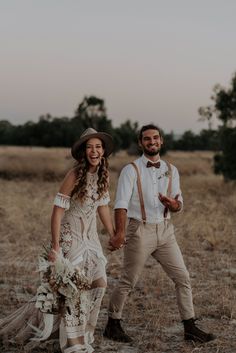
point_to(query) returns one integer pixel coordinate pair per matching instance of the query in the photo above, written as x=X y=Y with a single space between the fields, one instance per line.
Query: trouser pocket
x=132 y=228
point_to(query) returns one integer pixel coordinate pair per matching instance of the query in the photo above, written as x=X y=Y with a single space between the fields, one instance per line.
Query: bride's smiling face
x=94 y=153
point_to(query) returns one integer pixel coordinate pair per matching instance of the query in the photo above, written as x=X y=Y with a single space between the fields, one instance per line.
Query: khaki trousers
x=159 y=241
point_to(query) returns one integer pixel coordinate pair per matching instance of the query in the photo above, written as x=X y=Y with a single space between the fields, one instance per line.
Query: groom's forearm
x=120 y=221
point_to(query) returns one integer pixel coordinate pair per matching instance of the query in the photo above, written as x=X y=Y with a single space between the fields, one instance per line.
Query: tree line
x=91 y=112
x=63 y=131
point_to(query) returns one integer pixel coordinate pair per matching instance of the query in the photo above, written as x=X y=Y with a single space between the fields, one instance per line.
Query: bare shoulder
x=68 y=183
x=71 y=174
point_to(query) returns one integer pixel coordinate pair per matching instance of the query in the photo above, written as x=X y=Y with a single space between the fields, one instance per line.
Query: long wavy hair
x=81 y=168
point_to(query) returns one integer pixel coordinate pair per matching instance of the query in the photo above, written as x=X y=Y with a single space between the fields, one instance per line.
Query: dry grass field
x=206 y=232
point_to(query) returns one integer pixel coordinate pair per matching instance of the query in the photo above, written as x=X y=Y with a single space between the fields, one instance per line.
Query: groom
x=148 y=192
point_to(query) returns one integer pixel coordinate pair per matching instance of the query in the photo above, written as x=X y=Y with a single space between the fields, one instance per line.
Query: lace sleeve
x=62 y=201
x=104 y=200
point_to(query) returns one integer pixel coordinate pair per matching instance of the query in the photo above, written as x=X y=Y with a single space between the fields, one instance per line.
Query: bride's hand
x=52 y=255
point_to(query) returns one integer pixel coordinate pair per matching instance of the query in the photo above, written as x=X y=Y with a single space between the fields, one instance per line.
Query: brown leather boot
x=193 y=333
x=115 y=332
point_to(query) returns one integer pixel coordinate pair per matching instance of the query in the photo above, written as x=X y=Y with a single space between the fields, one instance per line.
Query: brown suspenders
x=140 y=192
x=169 y=187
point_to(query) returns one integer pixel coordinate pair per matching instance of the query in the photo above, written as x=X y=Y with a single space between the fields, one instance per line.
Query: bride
x=74 y=235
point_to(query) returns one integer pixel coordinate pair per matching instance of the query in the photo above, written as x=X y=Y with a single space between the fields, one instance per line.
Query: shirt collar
x=145 y=160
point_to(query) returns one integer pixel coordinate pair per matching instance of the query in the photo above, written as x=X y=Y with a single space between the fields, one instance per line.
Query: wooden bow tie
x=150 y=164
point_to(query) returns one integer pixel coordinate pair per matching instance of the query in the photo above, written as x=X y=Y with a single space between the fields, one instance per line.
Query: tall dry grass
x=206 y=232
x=33 y=162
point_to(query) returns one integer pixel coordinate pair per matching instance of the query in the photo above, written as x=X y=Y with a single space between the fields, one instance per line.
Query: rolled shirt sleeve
x=125 y=187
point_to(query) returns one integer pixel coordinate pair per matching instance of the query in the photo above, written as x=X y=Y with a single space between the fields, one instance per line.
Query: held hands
x=116 y=242
x=174 y=205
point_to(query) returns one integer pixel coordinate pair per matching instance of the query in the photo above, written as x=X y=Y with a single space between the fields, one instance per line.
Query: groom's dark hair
x=149 y=127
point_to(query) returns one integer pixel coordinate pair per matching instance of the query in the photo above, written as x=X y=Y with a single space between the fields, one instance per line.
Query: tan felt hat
x=90 y=133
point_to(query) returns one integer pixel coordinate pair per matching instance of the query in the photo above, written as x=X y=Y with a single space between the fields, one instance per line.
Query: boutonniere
x=166 y=174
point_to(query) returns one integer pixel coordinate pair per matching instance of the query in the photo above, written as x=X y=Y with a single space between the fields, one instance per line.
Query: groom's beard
x=152 y=153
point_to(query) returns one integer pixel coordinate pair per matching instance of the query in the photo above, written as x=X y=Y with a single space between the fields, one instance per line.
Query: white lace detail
x=92 y=201
x=65 y=237
x=62 y=201
x=104 y=200
x=77 y=315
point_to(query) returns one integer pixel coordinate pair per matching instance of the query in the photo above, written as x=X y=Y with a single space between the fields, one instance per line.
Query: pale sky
x=150 y=60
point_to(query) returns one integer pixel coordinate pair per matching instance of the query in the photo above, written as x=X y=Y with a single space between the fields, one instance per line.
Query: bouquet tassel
x=42 y=335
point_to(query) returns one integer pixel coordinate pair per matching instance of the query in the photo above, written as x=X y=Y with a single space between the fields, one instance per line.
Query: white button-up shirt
x=153 y=181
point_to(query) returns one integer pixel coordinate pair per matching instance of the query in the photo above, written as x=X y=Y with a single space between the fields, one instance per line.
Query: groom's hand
x=116 y=242
x=174 y=205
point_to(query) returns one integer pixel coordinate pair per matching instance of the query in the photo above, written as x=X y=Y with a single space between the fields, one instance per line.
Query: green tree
x=224 y=108
x=206 y=114
x=91 y=112
x=187 y=142
x=6 y=131
x=128 y=134
x=225 y=162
